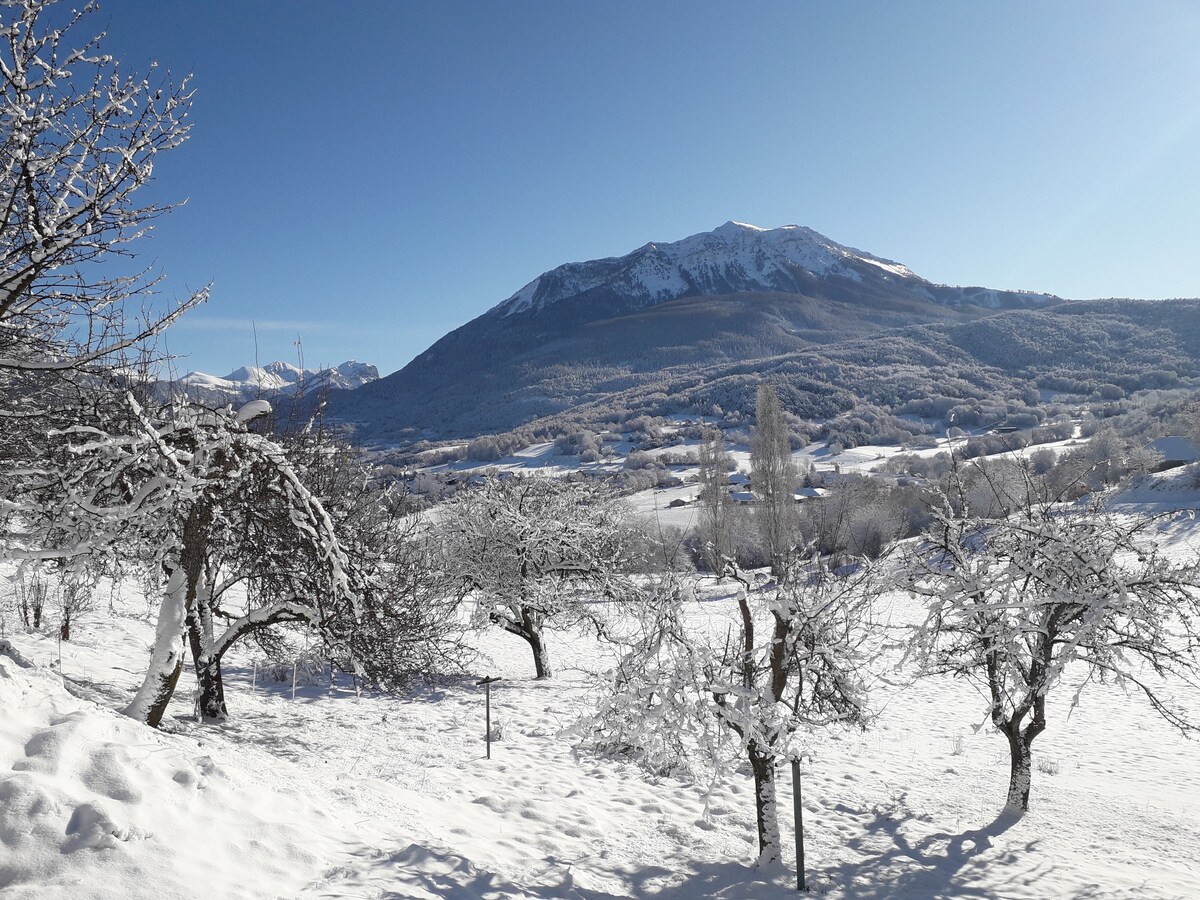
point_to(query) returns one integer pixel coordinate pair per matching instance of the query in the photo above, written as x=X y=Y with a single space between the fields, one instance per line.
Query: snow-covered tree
x=774 y=480
x=186 y=489
x=405 y=624
x=79 y=137
x=535 y=552
x=697 y=692
x=1050 y=599
x=716 y=506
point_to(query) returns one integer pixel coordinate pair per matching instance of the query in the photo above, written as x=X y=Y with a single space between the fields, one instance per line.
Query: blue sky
x=370 y=175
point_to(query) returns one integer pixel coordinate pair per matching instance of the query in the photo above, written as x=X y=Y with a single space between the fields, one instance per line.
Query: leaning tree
x=1050 y=599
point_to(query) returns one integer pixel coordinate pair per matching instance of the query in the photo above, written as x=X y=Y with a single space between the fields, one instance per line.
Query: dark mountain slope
x=1079 y=347
x=585 y=330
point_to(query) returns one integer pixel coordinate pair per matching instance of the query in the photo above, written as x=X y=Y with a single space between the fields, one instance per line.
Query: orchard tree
x=181 y=487
x=1022 y=603
x=405 y=624
x=535 y=552
x=788 y=658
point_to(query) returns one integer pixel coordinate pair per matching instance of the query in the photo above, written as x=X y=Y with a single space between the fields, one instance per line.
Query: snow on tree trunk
x=166 y=658
x=208 y=665
x=212 y=689
x=197 y=538
x=1020 y=772
x=541 y=654
x=766 y=807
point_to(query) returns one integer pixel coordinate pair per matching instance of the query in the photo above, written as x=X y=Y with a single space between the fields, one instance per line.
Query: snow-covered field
x=336 y=795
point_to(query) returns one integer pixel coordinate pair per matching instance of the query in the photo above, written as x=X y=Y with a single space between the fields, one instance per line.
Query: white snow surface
x=333 y=795
x=760 y=258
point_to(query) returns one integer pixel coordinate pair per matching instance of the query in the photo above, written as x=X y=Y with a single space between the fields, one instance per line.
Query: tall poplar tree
x=774 y=480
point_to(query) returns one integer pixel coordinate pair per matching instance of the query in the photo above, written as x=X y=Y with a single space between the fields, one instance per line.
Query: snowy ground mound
x=93 y=804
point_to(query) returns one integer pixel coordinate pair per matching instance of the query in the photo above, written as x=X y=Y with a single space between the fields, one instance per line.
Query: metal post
x=487 y=689
x=799 y=817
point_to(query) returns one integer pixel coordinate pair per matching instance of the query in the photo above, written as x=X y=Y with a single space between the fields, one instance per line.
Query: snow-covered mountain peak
x=735 y=257
x=277 y=377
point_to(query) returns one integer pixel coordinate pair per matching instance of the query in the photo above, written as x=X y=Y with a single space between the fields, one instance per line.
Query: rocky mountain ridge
x=273 y=379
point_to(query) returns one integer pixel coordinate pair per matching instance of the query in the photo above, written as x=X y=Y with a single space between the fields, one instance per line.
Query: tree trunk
x=211 y=687
x=196 y=533
x=770 y=850
x=208 y=673
x=166 y=658
x=541 y=654
x=530 y=628
x=1020 y=771
x=522 y=622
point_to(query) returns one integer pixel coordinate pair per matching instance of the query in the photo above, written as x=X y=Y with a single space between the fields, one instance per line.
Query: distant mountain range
x=586 y=331
x=274 y=379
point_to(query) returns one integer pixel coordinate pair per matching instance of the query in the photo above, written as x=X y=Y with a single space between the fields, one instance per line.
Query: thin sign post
x=798 y=813
x=487 y=689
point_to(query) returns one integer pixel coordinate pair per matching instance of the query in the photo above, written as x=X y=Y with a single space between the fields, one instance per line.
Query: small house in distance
x=804 y=494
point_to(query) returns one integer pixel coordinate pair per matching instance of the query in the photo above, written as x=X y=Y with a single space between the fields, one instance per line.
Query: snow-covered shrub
x=32 y=592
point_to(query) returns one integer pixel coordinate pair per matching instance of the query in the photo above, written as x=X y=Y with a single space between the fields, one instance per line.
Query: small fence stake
x=798 y=813
x=487 y=688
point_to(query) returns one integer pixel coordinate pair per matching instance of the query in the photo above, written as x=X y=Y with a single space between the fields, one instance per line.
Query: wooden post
x=798 y=814
x=487 y=690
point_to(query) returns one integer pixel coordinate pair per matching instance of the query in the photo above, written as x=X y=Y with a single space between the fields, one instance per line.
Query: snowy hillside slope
x=338 y=795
